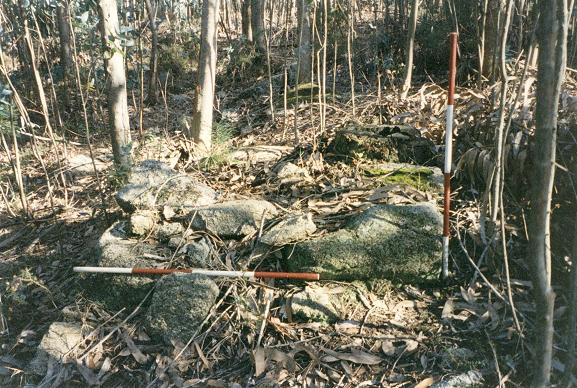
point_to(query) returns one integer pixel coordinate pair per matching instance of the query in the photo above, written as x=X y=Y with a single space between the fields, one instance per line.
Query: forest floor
x=393 y=335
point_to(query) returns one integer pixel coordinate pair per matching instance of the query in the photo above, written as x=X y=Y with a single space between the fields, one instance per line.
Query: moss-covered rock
x=153 y=184
x=389 y=143
x=179 y=305
x=359 y=144
x=423 y=178
x=396 y=242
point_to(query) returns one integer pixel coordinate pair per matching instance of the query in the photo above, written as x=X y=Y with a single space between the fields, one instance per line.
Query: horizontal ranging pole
x=206 y=272
x=449 y=154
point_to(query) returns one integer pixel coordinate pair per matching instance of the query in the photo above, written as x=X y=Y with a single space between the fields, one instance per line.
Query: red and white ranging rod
x=206 y=272
x=449 y=153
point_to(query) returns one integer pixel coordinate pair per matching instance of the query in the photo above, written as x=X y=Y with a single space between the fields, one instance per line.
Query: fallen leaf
x=357 y=356
x=200 y=353
x=348 y=327
x=140 y=357
x=426 y=383
x=448 y=309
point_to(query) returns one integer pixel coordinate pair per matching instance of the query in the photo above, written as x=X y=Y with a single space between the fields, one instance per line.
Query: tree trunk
x=117 y=99
x=409 y=50
x=202 y=122
x=246 y=23
x=152 y=80
x=305 y=44
x=257 y=23
x=552 y=36
x=64 y=35
x=495 y=9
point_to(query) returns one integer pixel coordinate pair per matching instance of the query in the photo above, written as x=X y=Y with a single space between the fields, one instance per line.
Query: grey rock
x=290 y=173
x=142 y=222
x=472 y=378
x=61 y=338
x=198 y=253
x=395 y=242
x=292 y=229
x=154 y=184
x=259 y=154
x=81 y=165
x=168 y=212
x=233 y=219
x=116 y=249
x=315 y=303
x=179 y=305
x=168 y=230
x=175 y=242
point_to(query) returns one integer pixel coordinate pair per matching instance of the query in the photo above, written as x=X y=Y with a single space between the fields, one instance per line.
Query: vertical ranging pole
x=449 y=153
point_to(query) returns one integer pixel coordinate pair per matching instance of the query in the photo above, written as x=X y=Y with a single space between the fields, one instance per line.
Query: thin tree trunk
x=117 y=98
x=409 y=50
x=481 y=45
x=552 y=36
x=246 y=20
x=202 y=122
x=350 y=35
x=153 y=78
x=257 y=23
x=305 y=44
x=64 y=35
x=500 y=138
x=572 y=320
x=491 y=44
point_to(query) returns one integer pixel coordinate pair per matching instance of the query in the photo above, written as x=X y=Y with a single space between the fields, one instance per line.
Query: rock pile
x=172 y=216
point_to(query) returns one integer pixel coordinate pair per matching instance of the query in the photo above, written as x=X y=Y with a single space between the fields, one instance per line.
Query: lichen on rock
x=324 y=303
x=154 y=184
x=142 y=222
x=61 y=338
x=233 y=219
x=179 y=305
x=292 y=229
x=400 y=243
x=117 y=249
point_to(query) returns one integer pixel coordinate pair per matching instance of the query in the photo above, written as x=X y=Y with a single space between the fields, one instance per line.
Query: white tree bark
x=202 y=122
x=117 y=98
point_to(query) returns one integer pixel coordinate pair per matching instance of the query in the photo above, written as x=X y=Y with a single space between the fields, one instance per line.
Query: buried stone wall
x=169 y=229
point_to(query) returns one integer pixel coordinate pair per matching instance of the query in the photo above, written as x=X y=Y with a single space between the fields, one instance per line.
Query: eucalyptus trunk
x=305 y=45
x=117 y=99
x=552 y=37
x=152 y=80
x=257 y=23
x=201 y=130
x=409 y=49
x=246 y=23
x=64 y=36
